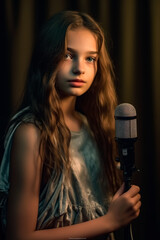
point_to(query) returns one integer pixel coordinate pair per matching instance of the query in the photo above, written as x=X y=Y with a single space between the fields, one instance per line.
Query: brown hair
x=42 y=97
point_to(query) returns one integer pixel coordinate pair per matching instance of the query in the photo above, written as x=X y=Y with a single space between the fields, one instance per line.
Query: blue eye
x=91 y=59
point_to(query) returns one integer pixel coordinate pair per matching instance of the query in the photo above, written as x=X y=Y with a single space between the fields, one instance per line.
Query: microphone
x=126 y=136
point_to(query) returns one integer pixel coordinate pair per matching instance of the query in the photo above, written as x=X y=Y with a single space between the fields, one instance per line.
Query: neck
x=71 y=117
x=68 y=106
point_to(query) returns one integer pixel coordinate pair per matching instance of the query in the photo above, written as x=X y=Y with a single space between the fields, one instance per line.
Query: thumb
x=119 y=192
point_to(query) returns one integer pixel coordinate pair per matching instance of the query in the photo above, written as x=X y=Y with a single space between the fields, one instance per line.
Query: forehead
x=81 y=39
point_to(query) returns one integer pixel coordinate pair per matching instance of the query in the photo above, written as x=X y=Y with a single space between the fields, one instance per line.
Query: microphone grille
x=125 y=110
x=125 y=121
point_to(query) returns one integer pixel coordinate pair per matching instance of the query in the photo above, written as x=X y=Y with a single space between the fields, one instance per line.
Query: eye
x=91 y=59
x=68 y=56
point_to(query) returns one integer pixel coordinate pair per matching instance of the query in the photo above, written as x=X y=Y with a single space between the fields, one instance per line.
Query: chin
x=76 y=93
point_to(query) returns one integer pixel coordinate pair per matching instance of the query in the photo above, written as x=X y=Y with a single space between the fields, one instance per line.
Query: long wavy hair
x=97 y=104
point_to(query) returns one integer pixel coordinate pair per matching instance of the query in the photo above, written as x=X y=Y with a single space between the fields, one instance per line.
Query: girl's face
x=79 y=66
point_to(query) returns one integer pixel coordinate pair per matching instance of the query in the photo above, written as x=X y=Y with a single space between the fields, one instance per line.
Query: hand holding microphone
x=125 y=205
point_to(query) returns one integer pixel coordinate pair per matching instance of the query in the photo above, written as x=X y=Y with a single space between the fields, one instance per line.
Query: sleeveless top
x=61 y=202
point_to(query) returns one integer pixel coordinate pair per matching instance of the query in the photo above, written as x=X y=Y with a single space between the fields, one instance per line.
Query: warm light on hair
x=42 y=97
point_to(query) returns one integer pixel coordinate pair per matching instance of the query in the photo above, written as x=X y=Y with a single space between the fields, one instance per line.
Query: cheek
x=64 y=68
x=94 y=71
x=93 y=74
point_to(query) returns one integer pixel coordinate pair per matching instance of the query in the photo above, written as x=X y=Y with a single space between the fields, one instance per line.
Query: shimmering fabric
x=65 y=202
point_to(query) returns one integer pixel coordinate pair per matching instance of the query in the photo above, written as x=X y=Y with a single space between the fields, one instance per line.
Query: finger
x=134 y=190
x=136 y=210
x=135 y=214
x=136 y=198
x=138 y=205
x=119 y=192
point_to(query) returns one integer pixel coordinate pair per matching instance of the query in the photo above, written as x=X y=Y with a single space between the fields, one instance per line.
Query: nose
x=78 y=67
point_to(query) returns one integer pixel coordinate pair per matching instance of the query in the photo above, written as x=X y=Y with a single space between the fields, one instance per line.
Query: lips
x=76 y=82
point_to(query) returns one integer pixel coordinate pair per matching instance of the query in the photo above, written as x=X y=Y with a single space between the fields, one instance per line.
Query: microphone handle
x=127 y=163
x=128 y=229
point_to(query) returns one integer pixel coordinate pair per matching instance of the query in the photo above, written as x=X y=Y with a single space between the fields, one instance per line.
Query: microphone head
x=125 y=121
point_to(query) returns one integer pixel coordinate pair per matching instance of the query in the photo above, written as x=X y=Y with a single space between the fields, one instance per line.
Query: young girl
x=58 y=171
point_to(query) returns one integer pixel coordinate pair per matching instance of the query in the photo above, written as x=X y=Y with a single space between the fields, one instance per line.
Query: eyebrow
x=75 y=51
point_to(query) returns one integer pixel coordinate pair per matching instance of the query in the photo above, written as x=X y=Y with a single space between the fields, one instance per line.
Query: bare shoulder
x=27 y=133
x=26 y=163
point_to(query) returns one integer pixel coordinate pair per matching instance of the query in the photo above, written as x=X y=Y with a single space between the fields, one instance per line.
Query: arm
x=25 y=178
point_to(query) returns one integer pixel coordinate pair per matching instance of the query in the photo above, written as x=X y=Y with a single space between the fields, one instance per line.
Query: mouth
x=76 y=82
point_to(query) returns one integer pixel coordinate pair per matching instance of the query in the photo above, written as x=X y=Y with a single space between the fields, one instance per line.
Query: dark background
x=132 y=29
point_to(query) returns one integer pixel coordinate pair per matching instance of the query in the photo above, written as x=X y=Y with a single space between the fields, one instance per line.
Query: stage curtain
x=133 y=39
